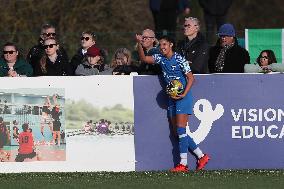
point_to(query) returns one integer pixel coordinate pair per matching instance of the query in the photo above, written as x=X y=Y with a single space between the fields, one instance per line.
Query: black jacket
x=61 y=67
x=196 y=52
x=124 y=69
x=235 y=58
x=215 y=7
x=37 y=52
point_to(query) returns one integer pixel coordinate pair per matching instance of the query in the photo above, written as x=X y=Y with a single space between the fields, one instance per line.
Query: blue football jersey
x=174 y=68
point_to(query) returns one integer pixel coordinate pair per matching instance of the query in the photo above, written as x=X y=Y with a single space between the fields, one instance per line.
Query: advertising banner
x=67 y=124
x=238 y=120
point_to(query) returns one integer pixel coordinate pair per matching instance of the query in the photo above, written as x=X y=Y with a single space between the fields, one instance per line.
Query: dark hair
x=88 y=32
x=169 y=39
x=11 y=44
x=44 y=58
x=14 y=122
x=270 y=55
x=1 y=119
x=25 y=127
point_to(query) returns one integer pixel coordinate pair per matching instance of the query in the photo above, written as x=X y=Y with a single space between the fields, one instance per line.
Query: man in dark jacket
x=215 y=13
x=37 y=51
x=194 y=47
x=227 y=56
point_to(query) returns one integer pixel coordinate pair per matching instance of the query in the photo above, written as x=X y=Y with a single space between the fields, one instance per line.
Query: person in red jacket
x=26 y=144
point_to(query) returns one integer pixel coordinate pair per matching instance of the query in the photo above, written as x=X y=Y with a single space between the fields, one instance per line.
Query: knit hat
x=93 y=51
x=227 y=29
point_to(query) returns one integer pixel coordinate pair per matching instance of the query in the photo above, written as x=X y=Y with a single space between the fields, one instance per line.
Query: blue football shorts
x=181 y=106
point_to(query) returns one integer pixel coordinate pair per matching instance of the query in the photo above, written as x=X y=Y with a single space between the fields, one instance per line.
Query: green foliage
x=79 y=112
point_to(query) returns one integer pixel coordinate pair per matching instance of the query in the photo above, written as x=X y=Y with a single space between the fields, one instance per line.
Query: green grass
x=158 y=180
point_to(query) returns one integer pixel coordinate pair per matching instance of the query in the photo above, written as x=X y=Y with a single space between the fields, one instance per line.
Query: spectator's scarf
x=219 y=65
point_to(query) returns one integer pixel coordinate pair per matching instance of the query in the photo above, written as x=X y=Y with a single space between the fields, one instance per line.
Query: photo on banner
x=32 y=124
x=100 y=123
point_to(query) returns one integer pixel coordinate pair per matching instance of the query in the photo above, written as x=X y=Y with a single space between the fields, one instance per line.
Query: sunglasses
x=85 y=38
x=49 y=46
x=8 y=52
x=264 y=57
x=49 y=34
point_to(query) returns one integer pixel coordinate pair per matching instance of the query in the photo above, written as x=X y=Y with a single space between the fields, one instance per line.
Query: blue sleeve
x=183 y=64
x=157 y=58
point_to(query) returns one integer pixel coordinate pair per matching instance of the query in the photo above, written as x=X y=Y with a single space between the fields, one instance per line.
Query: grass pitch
x=158 y=180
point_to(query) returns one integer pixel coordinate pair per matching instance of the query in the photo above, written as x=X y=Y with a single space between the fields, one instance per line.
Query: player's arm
x=190 y=80
x=48 y=101
x=143 y=58
x=55 y=102
x=7 y=134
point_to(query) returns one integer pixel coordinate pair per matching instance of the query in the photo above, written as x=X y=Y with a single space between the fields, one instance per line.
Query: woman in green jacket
x=11 y=65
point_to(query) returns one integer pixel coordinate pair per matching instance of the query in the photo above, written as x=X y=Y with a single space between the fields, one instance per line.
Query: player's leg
x=181 y=121
x=42 y=123
x=54 y=135
x=58 y=138
x=19 y=158
x=184 y=107
x=178 y=123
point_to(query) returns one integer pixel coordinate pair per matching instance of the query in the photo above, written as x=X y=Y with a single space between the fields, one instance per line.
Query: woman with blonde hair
x=53 y=63
x=122 y=63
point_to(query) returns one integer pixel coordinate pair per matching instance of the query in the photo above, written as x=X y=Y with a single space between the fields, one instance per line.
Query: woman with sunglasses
x=264 y=63
x=52 y=63
x=265 y=59
x=11 y=65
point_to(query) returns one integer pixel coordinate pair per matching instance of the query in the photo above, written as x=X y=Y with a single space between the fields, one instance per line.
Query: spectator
x=38 y=51
x=11 y=65
x=91 y=62
x=265 y=59
x=227 y=56
x=52 y=63
x=194 y=47
x=149 y=44
x=121 y=63
x=215 y=13
x=265 y=63
x=88 y=39
x=165 y=14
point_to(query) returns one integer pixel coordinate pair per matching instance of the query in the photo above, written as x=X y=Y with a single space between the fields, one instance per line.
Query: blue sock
x=191 y=144
x=183 y=145
x=183 y=141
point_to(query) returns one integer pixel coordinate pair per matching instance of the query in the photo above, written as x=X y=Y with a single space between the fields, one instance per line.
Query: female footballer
x=176 y=67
